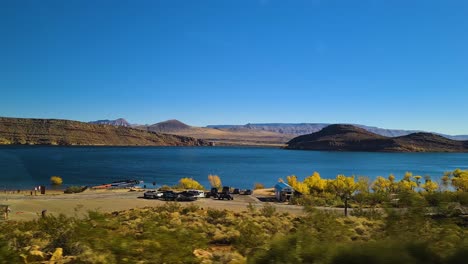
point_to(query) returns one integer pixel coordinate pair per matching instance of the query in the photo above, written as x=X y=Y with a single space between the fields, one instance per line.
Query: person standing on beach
x=7 y=211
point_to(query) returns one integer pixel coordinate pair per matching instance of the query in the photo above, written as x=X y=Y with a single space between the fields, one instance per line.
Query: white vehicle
x=197 y=193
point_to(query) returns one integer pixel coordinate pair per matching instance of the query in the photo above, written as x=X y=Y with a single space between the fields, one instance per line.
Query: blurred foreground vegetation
x=185 y=233
x=407 y=221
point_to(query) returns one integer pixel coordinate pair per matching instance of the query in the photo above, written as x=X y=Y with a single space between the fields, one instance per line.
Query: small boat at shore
x=104 y=186
x=118 y=184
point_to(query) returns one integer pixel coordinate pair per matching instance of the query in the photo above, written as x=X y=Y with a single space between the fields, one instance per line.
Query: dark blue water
x=27 y=166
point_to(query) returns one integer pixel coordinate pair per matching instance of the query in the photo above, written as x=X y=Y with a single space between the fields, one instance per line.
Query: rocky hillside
x=116 y=122
x=67 y=132
x=352 y=138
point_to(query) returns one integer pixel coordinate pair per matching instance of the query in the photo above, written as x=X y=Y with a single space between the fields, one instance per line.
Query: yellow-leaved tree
x=381 y=185
x=406 y=184
x=189 y=183
x=297 y=185
x=343 y=187
x=429 y=186
x=315 y=184
x=215 y=181
x=393 y=185
x=460 y=180
x=56 y=180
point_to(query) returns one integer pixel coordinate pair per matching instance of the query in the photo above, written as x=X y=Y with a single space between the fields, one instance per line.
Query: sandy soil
x=26 y=207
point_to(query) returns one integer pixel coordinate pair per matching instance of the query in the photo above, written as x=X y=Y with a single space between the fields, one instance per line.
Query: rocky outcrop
x=116 y=122
x=26 y=131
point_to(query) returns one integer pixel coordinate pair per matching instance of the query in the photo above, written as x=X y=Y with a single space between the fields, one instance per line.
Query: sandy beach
x=26 y=207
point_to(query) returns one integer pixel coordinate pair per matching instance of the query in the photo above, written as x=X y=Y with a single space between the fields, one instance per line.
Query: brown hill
x=67 y=132
x=168 y=126
x=352 y=138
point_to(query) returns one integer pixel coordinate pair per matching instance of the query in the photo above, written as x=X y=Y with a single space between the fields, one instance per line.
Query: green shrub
x=370 y=213
x=309 y=200
x=462 y=198
x=7 y=255
x=268 y=210
x=384 y=253
x=215 y=216
x=75 y=189
x=251 y=208
x=192 y=208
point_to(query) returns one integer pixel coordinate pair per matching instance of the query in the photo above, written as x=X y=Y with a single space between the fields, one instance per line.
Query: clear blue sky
x=388 y=63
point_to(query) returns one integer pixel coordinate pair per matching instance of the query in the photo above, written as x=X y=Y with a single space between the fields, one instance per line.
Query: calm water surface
x=27 y=166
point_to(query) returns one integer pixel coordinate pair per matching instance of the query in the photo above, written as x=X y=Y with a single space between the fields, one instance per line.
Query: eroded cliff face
x=66 y=132
x=351 y=138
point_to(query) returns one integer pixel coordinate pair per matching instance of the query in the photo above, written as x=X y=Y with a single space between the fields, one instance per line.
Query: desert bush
x=370 y=213
x=408 y=253
x=252 y=237
x=165 y=188
x=7 y=255
x=309 y=200
x=170 y=207
x=461 y=197
x=411 y=199
x=75 y=189
x=268 y=210
x=215 y=216
x=251 y=208
x=258 y=186
x=192 y=208
x=56 y=180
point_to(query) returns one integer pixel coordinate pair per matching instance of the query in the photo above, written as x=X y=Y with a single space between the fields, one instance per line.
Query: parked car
x=186 y=196
x=169 y=196
x=152 y=195
x=247 y=192
x=197 y=193
x=213 y=193
x=225 y=194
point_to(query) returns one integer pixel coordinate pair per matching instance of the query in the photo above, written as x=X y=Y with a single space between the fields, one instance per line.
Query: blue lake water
x=27 y=166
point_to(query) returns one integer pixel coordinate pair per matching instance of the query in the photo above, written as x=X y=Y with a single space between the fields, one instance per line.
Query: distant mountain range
x=116 y=122
x=353 y=138
x=308 y=128
x=253 y=134
x=175 y=133
x=30 y=131
x=219 y=136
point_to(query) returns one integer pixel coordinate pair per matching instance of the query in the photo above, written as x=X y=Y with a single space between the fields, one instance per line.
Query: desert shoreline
x=25 y=207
